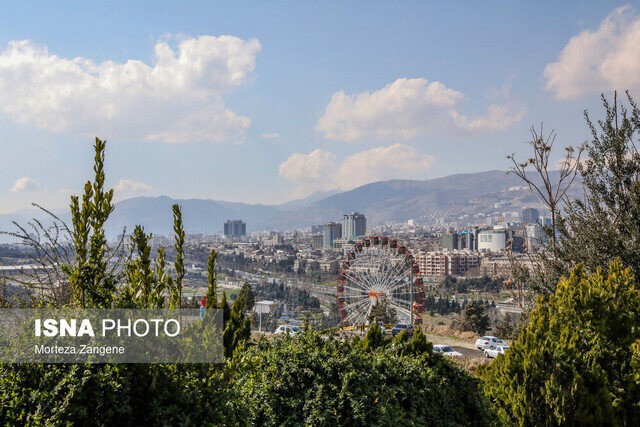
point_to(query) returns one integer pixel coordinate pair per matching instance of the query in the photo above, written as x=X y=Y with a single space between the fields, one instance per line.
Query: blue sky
x=301 y=97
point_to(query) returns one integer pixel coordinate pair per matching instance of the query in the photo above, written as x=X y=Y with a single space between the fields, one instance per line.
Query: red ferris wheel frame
x=400 y=249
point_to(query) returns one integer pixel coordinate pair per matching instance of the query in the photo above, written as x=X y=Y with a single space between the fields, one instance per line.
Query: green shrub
x=313 y=380
x=578 y=359
x=101 y=394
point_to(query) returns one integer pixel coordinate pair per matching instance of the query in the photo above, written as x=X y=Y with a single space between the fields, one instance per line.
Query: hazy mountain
x=198 y=215
x=400 y=200
x=314 y=197
x=381 y=202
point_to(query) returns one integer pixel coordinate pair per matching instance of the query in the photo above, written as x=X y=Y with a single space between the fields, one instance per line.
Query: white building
x=492 y=240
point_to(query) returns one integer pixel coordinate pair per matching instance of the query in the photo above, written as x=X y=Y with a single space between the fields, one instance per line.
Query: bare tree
x=549 y=192
x=50 y=246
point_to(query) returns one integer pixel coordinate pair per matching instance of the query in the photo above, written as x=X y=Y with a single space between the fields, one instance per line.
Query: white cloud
x=596 y=61
x=319 y=170
x=408 y=108
x=131 y=186
x=25 y=184
x=180 y=98
x=270 y=135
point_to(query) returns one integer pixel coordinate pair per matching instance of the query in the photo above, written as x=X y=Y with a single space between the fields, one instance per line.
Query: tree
x=374 y=338
x=248 y=297
x=605 y=224
x=238 y=328
x=212 y=280
x=474 y=318
x=549 y=192
x=382 y=312
x=576 y=362
x=91 y=286
x=506 y=328
x=176 y=294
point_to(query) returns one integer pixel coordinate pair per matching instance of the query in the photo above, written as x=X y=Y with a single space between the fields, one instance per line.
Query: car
x=445 y=350
x=488 y=341
x=495 y=350
x=402 y=327
x=290 y=330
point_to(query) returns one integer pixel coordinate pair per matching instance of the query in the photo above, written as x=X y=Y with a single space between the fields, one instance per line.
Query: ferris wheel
x=379 y=270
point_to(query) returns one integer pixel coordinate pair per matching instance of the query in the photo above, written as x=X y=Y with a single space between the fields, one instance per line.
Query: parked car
x=290 y=330
x=402 y=327
x=445 y=350
x=488 y=341
x=495 y=350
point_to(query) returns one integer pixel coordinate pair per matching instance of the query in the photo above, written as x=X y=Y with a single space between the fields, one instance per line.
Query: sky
x=265 y=102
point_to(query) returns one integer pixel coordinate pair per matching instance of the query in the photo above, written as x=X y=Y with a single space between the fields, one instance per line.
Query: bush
x=578 y=359
x=101 y=394
x=314 y=380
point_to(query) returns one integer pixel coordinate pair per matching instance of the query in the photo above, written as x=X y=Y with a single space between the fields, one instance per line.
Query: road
x=467 y=349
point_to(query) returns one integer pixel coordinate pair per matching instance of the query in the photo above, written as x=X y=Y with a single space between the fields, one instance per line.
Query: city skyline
x=216 y=101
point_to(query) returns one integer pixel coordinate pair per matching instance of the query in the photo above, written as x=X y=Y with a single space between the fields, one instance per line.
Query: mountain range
x=382 y=202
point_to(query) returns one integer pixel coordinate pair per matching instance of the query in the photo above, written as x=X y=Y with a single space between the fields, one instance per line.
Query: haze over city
x=265 y=103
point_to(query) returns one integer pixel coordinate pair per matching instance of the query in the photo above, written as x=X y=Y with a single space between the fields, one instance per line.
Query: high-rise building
x=330 y=232
x=354 y=224
x=529 y=215
x=316 y=229
x=450 y=241
x=235 y=228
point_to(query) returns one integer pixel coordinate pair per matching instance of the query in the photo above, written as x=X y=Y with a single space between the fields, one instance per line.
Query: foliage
x=374 y=337
x=381 y=311
x=606 y=224
x=103 y=394
x=576 y=362
x=92 y=287
x=314 y=380
x=474 y=318
x=212 y=280
x=506 y=328
x=291 y=295
x=176 y=291
x=441 y=304
x=248 y=298
x=466 y=285
x=144 y=287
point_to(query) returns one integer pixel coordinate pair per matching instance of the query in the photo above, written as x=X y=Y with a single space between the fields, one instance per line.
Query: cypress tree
x=212 y=280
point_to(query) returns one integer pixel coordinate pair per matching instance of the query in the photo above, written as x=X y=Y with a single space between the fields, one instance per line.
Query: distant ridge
x=381 y=202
